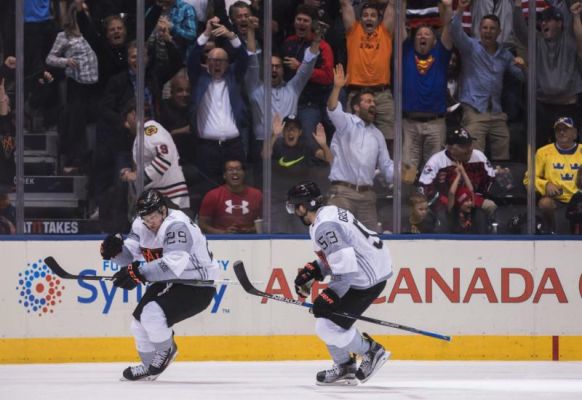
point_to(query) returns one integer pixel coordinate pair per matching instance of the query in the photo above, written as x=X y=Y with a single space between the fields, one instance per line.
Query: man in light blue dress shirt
x=358 y=149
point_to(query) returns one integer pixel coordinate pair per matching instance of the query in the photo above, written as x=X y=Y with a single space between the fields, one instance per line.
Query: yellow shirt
x=558 y=168
x=369 y=56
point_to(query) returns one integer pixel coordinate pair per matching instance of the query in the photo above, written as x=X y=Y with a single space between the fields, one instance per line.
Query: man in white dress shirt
x=220 y=114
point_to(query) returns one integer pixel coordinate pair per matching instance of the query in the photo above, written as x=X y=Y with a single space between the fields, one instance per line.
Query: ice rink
x=414 y=380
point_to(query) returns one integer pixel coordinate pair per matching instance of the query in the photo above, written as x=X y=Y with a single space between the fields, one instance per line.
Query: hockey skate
x=162 y=359
x=339 y=375
x=372 y=360
x=137 y=373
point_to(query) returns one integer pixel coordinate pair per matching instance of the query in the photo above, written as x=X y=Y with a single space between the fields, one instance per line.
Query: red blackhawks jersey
x=161 y=164
x=440 y=171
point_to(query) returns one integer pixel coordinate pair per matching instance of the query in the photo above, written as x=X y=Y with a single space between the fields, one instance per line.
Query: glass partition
x=464 y=132
x=224 y=107
x=9 y=207
x=554 y=148
x=68 y=51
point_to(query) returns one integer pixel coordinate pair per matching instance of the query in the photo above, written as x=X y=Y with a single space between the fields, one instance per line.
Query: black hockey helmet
x=304 y=193
x=149 y=201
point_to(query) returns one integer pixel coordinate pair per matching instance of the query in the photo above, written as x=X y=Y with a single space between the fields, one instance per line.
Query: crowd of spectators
x=332 y=101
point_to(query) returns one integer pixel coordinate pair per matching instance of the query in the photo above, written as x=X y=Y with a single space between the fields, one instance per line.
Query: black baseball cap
x=292 y=119
x=551 y=13
x=460 y=136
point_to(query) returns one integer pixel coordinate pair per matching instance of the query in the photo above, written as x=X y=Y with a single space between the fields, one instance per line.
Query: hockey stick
x=61 y=273
x=239 y=270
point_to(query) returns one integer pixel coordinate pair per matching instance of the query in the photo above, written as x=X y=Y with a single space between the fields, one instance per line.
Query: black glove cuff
x=134 y=273
x=325 y=304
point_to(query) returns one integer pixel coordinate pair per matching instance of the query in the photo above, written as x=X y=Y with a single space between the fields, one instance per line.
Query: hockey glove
x=111 y=246
x=305 y=276
x=128 y=277
x=325 y=304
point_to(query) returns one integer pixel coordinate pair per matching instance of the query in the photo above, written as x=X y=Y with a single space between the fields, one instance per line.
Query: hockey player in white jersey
x=359 y=265
x=172 y=248
x=162 y=170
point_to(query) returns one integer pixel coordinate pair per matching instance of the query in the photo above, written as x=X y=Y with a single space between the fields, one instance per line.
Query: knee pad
x=333 y=334
x=153 y=320
x=142 y=341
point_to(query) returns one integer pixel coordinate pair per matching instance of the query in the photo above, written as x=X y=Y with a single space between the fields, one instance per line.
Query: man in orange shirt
x=369 y=44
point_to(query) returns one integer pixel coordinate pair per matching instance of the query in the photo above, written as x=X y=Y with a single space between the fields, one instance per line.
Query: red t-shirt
x=224 y=208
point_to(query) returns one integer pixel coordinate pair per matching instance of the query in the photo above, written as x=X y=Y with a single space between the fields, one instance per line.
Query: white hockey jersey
x=353 y=255
x=161 y=164
x=177 y=250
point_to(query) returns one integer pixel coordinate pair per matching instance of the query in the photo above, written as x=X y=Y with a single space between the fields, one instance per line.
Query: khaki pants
x=422 y=140
x=490 y=127
x=361 y=204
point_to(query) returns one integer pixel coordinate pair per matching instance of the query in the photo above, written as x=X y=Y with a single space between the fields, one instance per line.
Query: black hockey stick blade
x=61 y=273
x=245 y=282
x=241 y=274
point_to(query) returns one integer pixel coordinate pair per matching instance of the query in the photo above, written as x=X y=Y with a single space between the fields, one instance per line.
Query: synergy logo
x=105 y=294
x=39 y=289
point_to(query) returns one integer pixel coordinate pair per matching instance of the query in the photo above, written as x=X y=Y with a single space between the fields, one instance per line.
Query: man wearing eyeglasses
x=284 y=94
x=220 y=113
x=232 y=207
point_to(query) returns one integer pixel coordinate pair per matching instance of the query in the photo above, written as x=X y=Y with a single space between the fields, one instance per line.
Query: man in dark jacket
x=220 y=114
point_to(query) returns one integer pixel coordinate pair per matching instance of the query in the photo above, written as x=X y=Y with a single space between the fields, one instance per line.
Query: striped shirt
x=422 y=12
x=77 y=48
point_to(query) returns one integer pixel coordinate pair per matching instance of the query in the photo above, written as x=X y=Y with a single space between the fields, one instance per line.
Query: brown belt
x=357 y=188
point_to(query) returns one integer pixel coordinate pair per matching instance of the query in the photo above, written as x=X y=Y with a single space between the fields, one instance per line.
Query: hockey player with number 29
x=359 y=265
x=173 y=248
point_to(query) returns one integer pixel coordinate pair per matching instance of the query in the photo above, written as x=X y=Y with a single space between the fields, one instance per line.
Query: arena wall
x=500 y=300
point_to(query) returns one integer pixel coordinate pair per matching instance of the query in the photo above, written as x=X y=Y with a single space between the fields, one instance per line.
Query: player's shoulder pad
x=137 y=224
x=175 y=217
x=173 y=225
x=330 y=225
x=327 y=213
x=176 y=225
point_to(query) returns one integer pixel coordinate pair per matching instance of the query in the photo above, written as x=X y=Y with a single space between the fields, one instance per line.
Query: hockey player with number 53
x=359 y=265
x=173 y=248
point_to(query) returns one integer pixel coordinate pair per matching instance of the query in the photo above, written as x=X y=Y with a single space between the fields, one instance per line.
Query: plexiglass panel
x=437 y=112
x=8 y=110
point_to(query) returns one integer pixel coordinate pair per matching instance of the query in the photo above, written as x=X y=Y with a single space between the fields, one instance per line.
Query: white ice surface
x=412 y=380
